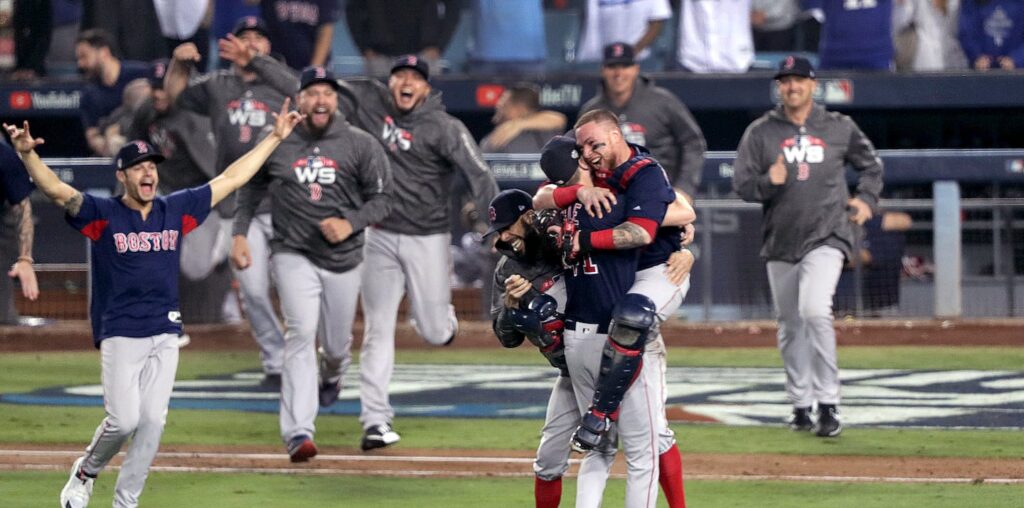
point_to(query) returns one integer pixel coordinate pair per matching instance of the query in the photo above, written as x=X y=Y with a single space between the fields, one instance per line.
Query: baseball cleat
x=271 y=382
x=78 y=489
x=329 y=392
x=379 y=436
x=301 y=448
x=828 y=421
x=590 y=432
x=800 y=420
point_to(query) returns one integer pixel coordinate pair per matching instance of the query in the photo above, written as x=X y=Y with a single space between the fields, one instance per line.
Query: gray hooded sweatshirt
x=426 y=146
x=809 y=209
x=657 y=120
x=342 y=173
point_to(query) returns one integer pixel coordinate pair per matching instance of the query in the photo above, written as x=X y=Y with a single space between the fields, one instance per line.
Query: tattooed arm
x=22 y=268
x=628 y=235
x=45 y=179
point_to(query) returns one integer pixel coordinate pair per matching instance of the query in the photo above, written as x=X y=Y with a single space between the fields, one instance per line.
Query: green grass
x=31 y=490
x=75 y=425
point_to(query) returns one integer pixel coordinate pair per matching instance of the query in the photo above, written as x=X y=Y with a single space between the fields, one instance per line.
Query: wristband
x=603 y=239
x=565 y=196
x=27 y=259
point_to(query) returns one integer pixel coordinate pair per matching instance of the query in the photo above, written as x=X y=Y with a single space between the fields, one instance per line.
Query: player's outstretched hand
x=235 y=51
x=240 y=256
x=596 y=200
x=187 y=52
x=861 y=211
x=21 y=139
x=335 y=230
x=24 y=272
x=678 y=266
x=286 y=120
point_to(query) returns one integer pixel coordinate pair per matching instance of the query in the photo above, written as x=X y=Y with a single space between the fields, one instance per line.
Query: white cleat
x=78 y=490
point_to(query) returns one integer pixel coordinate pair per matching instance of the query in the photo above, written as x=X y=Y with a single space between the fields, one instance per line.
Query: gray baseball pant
x=137 y=377
x=802 y=293
x=254 y=282
x=307 y=291
x=396 y=264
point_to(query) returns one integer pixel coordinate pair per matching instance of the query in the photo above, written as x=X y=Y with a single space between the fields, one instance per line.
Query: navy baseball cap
x=157 y=70
x=506 y=208
x=795 y=66
x=619 y=53
x=134 y=152
x=559 y=159
x=317 y=74
x=250 y=23
x=412 y=62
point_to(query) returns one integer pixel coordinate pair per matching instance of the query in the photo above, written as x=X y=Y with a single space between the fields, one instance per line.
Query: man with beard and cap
x=238 y=102
x=136 y=323
x=330 y=182
x=408 y=251
x=651 y=116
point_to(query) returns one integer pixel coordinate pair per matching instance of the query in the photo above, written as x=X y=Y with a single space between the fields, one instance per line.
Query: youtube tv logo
x=487 y=95
x=20 y=100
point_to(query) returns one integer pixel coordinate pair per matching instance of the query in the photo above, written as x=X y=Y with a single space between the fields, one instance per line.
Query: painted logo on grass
x=735 y=396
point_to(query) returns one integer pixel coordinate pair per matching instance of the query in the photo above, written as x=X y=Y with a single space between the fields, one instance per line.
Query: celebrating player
x=409 y=250
x=330 y=183
x=239 y=101
x=134 y=310
x=793 y=161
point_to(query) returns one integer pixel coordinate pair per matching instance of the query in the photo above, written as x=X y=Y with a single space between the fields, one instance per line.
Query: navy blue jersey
x=596 y=284
x=647 y=192
x=98 y=100
x=15 y=184
x=135 y=262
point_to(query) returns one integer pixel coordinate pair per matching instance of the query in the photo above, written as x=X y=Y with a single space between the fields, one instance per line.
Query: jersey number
x=853 y=5
x=589 y=267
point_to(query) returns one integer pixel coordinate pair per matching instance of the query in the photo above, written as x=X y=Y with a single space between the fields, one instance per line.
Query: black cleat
x=329 y=393
x=800 y=420
x=379 y=436
x=828 y=421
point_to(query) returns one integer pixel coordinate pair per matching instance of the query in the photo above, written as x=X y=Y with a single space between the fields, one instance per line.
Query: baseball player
x=793 y=161
x=650 y=116
x=662 y=276
x=134 y=308
x=408 y=251
x=330 y=182
x=15 y=189
x=239 y=101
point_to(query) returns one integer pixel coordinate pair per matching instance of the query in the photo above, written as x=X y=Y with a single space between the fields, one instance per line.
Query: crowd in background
x=521 y=37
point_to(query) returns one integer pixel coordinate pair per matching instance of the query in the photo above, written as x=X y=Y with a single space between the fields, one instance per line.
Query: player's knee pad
x=633 y=319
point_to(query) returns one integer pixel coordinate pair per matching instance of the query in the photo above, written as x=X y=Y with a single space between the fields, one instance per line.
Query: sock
x=670 y=476
x=547 y=493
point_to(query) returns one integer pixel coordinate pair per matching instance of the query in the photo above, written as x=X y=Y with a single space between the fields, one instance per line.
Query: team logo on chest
x=248 y=113
x=163 y=139
x=315 y=171
x=634 y=133
x=395 y=137
x=146 y=241
x=804 y=150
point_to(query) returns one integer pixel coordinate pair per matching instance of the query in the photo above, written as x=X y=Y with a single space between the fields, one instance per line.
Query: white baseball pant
x=254 y=283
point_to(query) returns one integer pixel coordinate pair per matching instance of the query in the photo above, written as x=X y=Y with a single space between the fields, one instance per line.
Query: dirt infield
x=489 y=463
x=76 y=335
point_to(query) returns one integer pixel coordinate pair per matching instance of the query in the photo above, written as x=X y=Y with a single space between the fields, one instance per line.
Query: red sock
x=547 y=493
x=670 y=476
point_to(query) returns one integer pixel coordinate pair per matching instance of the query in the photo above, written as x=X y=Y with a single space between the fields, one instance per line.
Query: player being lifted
x=134 y=309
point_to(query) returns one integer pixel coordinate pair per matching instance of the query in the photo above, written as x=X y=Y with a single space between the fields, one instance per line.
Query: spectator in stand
x=774 y=23
x=33 y=25
x=184 y=21
x=992 y=33
x=66 y=17
x=106 y=76
x=301 y=30
x=638 y=22
x=855 y=35
x=519 y=124
x=652 y=117
x=114 y=126
x=926 y=35
x=386 y=29
x=715 y=36
x=508 y=38
x=131 y=24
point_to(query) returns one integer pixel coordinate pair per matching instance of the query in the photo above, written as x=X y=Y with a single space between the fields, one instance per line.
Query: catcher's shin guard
x=632 y=321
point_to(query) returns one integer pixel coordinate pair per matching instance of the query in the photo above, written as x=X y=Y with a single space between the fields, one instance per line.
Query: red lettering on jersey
x=188 y=223
x=174 y=239
x=589 y=267
x=133 y=242
x=94 y=229
x=120 y=243
x=144 y=242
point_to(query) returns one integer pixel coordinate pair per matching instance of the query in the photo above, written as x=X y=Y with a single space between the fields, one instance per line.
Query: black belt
x=570 y=324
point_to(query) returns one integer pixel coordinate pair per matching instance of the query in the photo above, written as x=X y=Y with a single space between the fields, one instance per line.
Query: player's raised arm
x=240 y=171
x=45 y=179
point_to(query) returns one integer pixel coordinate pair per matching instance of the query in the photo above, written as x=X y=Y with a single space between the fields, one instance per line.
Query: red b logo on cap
x=617 y=50
x=790 y=62
x=492 y=214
